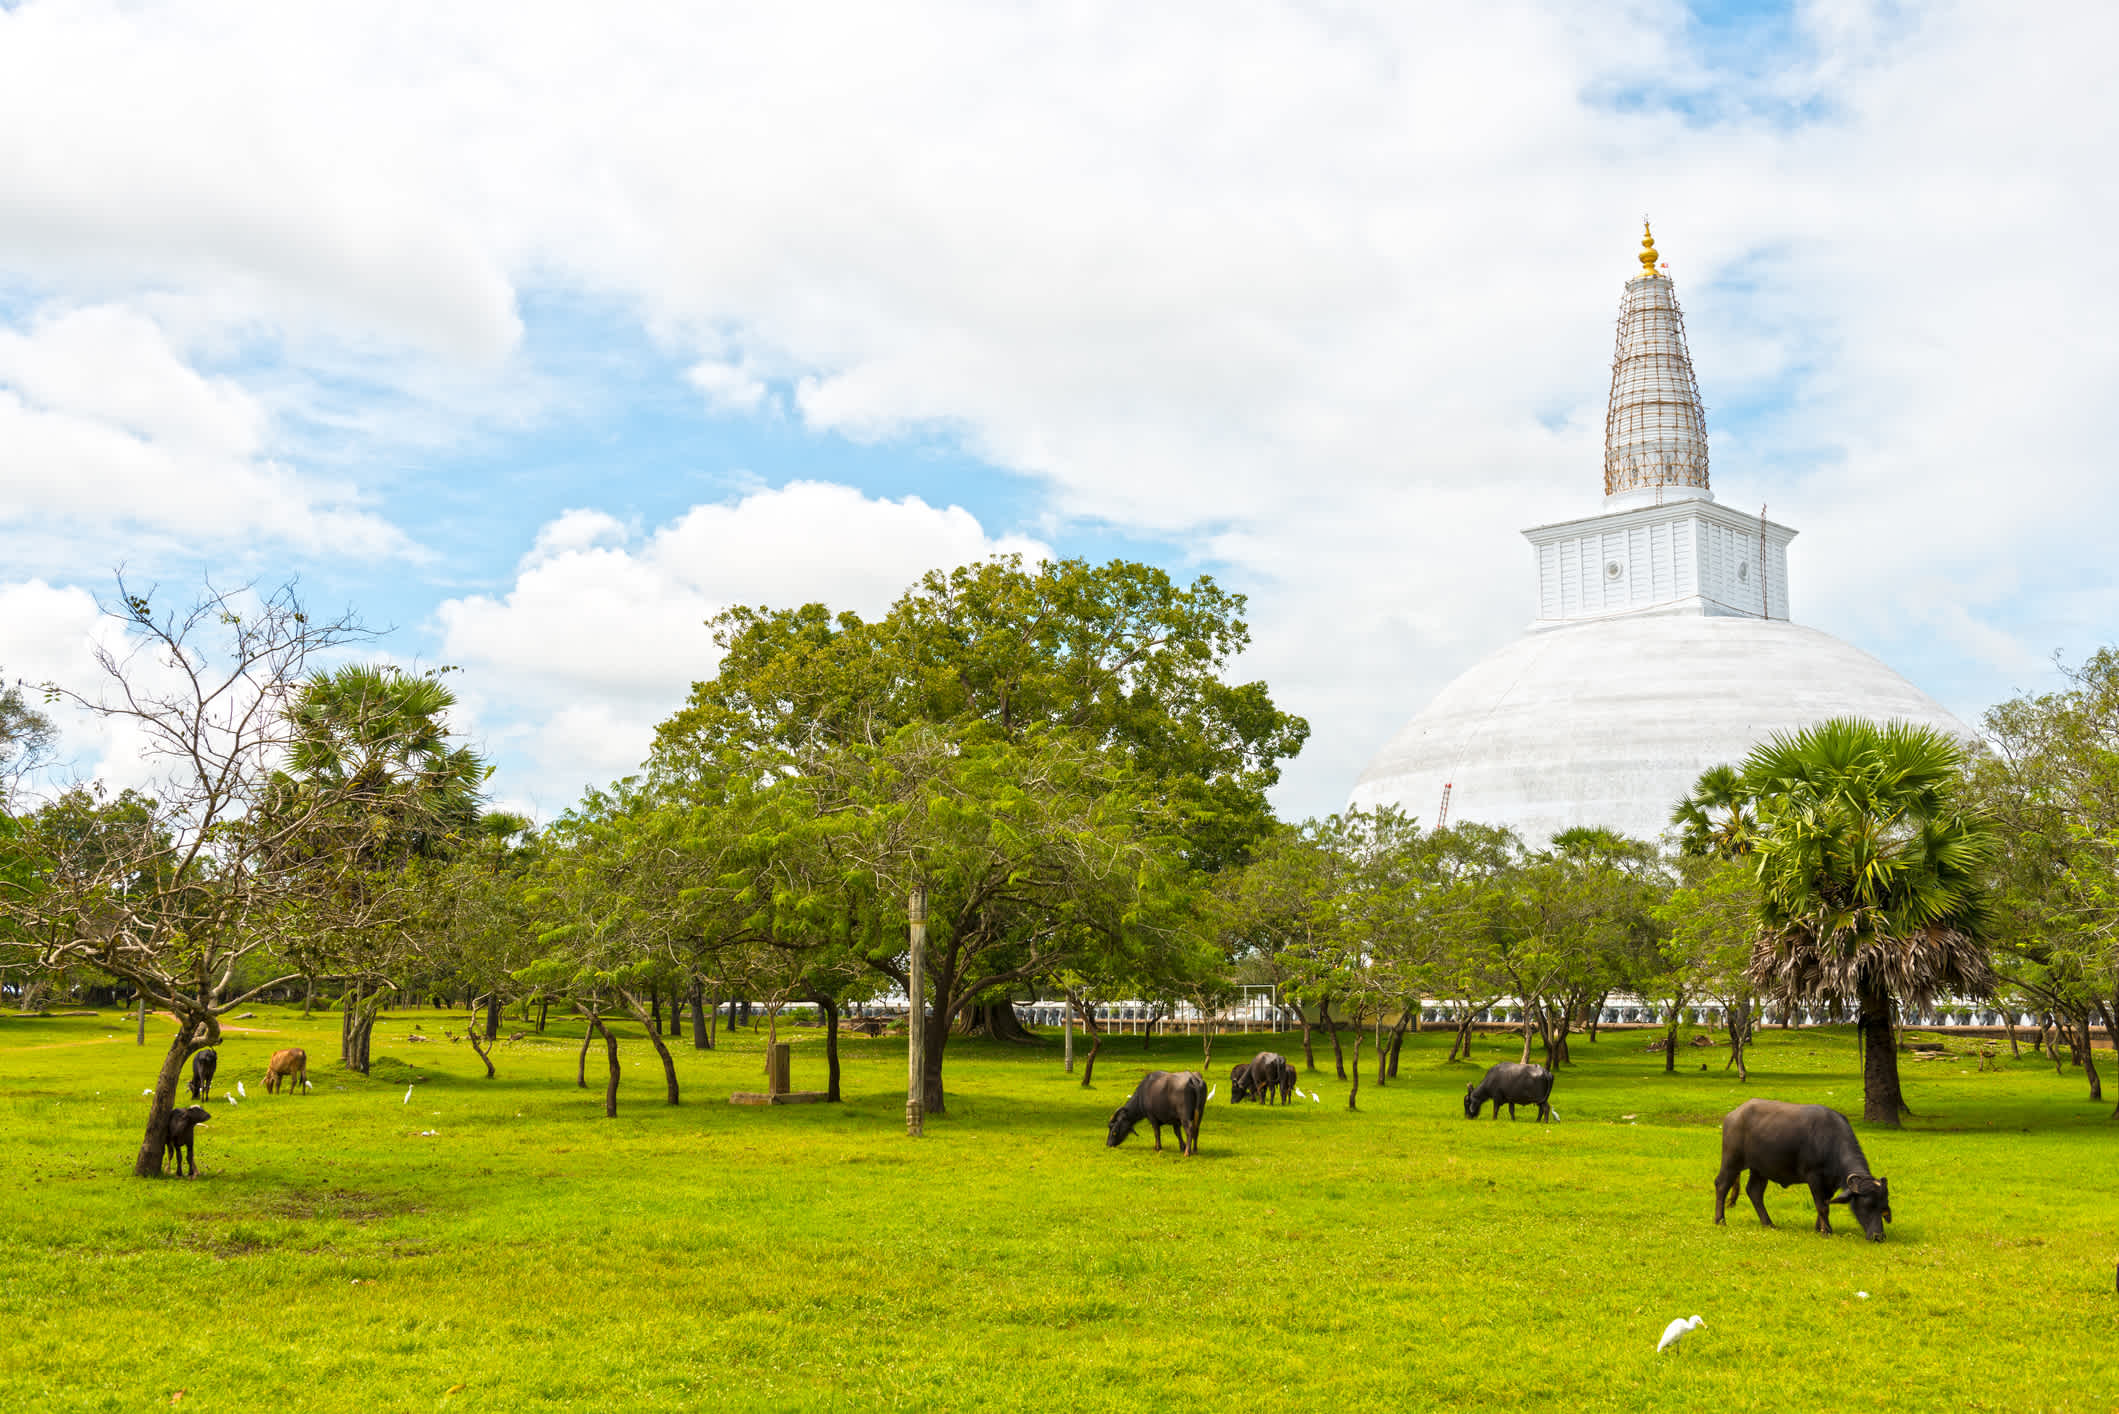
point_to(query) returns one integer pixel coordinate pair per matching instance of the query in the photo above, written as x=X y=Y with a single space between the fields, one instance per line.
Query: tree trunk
x=2009 y=1021
x=1882 y=1098
x=357 y=1026
x=2089 y=1054
x=610 y=1086
x=1353 y=1091
x=1096 y=1042
x=1739 y=1019
x=1398 y=1040
x=996 y=1020
x=654 y=1012
x=1067 y=1031
x=2111 y=1013
x=141 y=1038
x=713 y=1025
x=830 y=1008
x=482 y=1048
x=493 y=1007
x=191 y=1035
x=1324 y=1019
x=700 y=1040
x=937 y=1039
x=649 y=1018
x=1383 y=1053
x=1670 y=1044
x=544 y=1004
x=581 y=1061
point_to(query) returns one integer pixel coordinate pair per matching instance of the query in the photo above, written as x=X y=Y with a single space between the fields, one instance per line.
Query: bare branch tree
x=233 y=879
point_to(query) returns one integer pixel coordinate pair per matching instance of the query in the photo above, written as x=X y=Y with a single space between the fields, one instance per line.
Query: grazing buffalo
x=1784 y=1144
x=1241 y=1084
x=291 y=1065
x=1274 y=1075
x=176 y=1137
x=1511 y=1083
x=1172 y=1097
x=203 y=1066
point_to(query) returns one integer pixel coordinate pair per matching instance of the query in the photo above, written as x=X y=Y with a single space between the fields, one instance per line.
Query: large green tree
x=1874 y=875
x=1117 y=655
x=2051 y=782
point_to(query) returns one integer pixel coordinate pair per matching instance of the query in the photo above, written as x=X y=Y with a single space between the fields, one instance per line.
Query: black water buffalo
x=176 y=1137
x=203 y=1066
x=1274 y=1075
x=1174 y=1097
x=1511 y=1083
x=1784 y=1144
x=1241 y=1086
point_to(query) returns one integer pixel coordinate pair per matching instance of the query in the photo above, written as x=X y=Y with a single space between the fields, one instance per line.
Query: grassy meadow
x=530 y=1253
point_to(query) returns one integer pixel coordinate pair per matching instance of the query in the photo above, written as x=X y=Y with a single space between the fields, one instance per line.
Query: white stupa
x=1661 y=646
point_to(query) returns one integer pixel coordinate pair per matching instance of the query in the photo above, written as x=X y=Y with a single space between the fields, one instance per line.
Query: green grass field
x=533 y=1254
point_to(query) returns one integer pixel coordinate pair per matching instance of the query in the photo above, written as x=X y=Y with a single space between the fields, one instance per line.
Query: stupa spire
x=1655 y=431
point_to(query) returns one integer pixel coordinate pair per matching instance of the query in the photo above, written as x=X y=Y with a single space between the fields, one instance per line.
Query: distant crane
x=1442 y=811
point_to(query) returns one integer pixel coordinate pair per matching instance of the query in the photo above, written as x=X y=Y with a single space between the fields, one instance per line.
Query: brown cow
x=291 y=1065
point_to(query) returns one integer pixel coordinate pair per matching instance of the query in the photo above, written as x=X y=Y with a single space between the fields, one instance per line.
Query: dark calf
x=1241 y=1086
x=1511 y=1083
x=203 y=1066
x=1175 y=1098
x=176 y=1137
x=1807 y=1144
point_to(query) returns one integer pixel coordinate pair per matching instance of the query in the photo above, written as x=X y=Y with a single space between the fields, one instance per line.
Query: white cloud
x=1321 y=293
x=603 y=632
x=50 y=634
x=728 y=387
x=103 y=425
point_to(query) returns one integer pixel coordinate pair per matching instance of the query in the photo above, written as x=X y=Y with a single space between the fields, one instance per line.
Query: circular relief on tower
x=1614 y=570
x=1743 y=571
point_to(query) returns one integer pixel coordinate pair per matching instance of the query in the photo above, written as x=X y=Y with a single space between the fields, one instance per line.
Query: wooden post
x=779 y=1069
x=916 y=1014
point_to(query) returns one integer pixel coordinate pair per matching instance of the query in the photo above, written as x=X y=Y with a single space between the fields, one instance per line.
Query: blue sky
x=541 y=368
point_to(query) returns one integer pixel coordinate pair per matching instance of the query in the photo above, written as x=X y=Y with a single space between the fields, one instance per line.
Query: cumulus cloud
x=604 y=630
x=1320 y=295
x=105 y=425
x=49 y=634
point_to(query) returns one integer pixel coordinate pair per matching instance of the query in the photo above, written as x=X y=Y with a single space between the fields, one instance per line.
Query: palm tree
x=1719 y=817
x=371 y=760
x=376 y=739
x=1872 y=869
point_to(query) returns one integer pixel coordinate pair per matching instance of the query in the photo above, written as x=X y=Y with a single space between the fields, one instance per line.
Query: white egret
x=408 y=1096
x=245 y=1093
x=1677 y=1330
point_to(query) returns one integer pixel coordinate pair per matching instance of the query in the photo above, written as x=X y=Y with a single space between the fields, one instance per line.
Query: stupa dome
x=1610 y=722
x=1661 y=644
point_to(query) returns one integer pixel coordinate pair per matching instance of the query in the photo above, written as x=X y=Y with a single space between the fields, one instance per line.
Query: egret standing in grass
x=1676 y=1331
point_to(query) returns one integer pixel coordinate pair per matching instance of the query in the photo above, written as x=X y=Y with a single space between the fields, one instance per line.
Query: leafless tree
x=237 y=881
